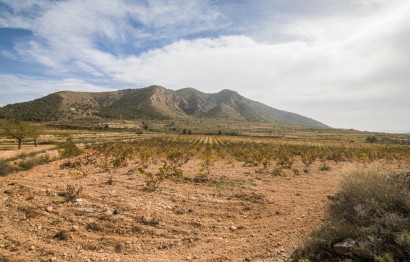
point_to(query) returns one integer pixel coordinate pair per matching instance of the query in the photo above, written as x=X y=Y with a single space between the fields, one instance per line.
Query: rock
x=298 y=194
x=75 y=228
x=52 y=259
x=233 y=228
x=32 y=247
x=345 y=247
x=49 y=208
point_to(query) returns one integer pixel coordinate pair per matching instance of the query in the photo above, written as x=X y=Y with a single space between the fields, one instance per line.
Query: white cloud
x=23 y=88
x=65 y=30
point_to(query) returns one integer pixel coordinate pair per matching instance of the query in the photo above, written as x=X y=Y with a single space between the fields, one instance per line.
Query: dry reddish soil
x=24 y=150
x=237 y=215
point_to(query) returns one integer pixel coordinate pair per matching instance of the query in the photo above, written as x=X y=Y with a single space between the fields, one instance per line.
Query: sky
x=343 y=63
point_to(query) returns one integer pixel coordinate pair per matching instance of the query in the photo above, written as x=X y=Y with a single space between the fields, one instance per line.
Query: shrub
x=62 y=235
x=32 y=162
x=324 y=167
x=278 y=171
x=149 y=221
x=69 y=149
x=371 y=139
x=5 y=169
x=286 y=161
x=372 y=211
x=152 y=180
x=72 y=193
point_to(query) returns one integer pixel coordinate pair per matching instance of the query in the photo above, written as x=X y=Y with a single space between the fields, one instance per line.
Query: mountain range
x=153 y=102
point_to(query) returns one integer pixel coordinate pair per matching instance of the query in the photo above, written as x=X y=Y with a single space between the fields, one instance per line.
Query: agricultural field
x=118 y=196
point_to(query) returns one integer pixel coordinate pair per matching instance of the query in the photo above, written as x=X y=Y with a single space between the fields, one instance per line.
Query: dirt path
x=238 y=215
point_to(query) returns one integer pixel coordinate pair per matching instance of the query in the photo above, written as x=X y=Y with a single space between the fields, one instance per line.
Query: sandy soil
x=238 y=215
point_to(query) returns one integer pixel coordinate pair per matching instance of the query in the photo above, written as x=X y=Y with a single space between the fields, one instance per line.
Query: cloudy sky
x=344 y=63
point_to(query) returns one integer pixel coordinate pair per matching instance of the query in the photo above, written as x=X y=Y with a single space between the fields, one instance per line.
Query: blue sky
x=344 y=63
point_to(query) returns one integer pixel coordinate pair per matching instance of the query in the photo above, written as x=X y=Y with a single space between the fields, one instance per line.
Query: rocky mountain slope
x=154 y=102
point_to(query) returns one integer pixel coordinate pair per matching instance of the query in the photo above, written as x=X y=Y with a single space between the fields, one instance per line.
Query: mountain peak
x=228 y=91
x=156 y=88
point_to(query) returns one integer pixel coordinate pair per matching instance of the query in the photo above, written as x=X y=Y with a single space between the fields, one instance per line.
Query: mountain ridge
x=153 y=102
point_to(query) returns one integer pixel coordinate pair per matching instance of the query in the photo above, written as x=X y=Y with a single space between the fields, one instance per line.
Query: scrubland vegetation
x=369 y=220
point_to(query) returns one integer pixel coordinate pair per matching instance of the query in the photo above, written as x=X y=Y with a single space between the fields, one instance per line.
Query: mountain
x=153 y=102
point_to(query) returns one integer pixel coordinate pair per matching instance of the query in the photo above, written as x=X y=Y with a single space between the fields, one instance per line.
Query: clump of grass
x=373 y=210
x=29 y=212
x=62 y=235
x=70 y=164
x=27 y=162
x=278 y=171
x=94 y=227
x=149 y=221
x=32 y=162
x=119 y=248
x=110 y=180
x=5 y=168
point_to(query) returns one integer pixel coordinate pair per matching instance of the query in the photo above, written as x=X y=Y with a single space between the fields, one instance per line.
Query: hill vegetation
x=43 y=109
x=152 y=102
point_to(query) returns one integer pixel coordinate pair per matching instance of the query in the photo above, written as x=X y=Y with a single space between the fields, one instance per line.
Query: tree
x=20 y=130
x=371 y=139
x=35 y=132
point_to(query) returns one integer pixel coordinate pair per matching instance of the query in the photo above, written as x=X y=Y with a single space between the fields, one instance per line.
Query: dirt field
x=237 y=215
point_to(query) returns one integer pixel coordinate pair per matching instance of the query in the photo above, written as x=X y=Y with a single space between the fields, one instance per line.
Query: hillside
x=152 y=102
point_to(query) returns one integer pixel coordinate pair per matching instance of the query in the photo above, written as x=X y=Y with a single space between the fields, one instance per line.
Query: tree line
x=20 y=131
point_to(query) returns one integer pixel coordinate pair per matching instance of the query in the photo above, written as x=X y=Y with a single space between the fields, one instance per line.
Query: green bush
x=371 y=139
x=324 y=167
x=69 y=149
x=373 y=210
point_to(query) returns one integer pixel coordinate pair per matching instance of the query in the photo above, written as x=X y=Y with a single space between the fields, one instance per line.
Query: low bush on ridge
x=369 y=221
